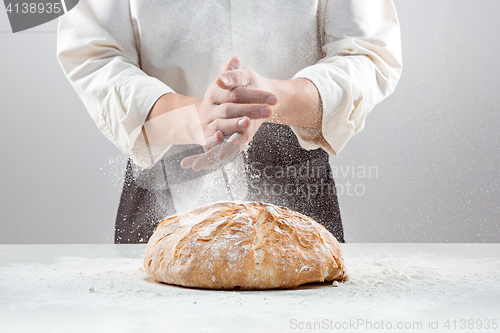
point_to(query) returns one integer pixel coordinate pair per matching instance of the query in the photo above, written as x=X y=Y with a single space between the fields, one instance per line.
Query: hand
x=230 y=115
x=299 y=101
x=224 y=112
x=247 y=78
x=299 y=105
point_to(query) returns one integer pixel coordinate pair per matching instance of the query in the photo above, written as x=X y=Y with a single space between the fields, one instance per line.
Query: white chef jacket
x=122 y=55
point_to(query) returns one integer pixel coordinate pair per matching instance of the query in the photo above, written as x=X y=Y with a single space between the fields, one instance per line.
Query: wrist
x=296 y=99
x=170 y=102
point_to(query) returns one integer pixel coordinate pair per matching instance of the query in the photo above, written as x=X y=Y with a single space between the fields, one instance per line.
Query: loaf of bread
x=242 y=245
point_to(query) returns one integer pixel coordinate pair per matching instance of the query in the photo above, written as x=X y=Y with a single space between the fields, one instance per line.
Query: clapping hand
x=231 y=112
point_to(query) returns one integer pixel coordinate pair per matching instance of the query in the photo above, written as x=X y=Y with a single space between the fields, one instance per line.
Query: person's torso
x=275 y=38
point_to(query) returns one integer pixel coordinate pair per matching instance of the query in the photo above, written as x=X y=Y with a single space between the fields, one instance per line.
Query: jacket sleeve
x=361 y=66
x=97 y=50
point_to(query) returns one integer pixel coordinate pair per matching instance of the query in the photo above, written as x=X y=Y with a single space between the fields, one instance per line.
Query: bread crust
x=247 y=245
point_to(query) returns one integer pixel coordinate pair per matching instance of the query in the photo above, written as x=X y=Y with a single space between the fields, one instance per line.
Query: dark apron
x=277 y=171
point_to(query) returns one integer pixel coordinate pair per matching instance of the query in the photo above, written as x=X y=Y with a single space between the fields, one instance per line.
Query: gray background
x=434 y=142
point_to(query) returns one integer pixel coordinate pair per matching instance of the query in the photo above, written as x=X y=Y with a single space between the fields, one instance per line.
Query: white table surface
x=103 y=288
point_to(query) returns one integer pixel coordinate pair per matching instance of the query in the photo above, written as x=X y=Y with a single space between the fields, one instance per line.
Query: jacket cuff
x=126 y=108
x=342 y=113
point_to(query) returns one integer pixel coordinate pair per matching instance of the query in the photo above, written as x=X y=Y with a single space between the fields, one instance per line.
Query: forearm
x=298 y=103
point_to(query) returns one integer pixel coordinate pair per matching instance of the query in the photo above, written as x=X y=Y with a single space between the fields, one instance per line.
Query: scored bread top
x=231 y=245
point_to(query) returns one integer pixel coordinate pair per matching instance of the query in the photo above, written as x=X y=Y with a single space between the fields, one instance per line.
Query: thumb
x=234 y=78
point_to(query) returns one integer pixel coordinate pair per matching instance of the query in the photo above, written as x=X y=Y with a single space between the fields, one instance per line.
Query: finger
x=224 y=152
x=228 y=126
x=212 y=141
x=217 y=137
x=218 y=156
x=187 y=162
x=208 y=160
x=212 y=133
x=240 y=95
x=230 y=110
x=231 y=148
x=232 y=64
x=201 y=161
